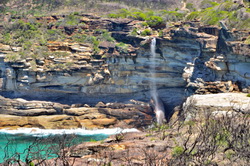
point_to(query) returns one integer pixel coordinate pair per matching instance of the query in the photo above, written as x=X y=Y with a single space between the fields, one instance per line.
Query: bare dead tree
x=211 y=138
x=40 y=150
x=153 y=157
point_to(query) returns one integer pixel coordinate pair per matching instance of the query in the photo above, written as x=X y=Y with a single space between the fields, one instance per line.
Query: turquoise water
x=23 y=146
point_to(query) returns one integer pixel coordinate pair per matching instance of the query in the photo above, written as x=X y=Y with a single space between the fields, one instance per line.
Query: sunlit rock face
x=216 y=105
x=185 y=58
x=52 y=115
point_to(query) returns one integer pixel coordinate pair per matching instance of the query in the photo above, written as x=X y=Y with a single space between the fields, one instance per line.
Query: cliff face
x=188 y=56
x=230 y=62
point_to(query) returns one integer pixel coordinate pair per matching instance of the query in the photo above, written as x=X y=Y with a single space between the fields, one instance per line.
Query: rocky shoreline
x=160 y=144
x=17 y=113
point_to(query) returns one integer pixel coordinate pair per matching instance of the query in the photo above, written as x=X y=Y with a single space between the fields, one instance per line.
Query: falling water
x=153 y=82
x=159 y=107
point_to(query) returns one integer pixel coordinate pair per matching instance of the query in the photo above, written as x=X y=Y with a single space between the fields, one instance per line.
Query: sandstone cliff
x=191 y=58
x=186 y=53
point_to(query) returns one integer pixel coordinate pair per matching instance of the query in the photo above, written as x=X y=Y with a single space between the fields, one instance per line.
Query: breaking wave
x=36 y=132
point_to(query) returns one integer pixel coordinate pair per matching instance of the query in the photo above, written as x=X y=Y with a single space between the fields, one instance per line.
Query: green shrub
x=31 y=26
x=229 y=154
x=245 y=24
x=95 y=43
x=221 y=137
x=214 y=3
x=145 y=24
x=78 y=38
x=122 y=13
x=139 y=16
x=146 y=32
x=151 y=17
x=113 y=15
x=189 y=5
x=31 y=164
x=23 y=34
x=105 y=36
x=172 y=15
x=76 y=13
x=6 y=38
x=134 y=32
x=150 y=13
x=232 y=16
x=154 y=21
x=161 y=34
x=212 y=16
x=190 y=123
x=12 y=57
x=152 y=139
x=51 y=32
x=54 y=35
x=100 y=31
x=96 y=49
x=193 y=15
x=92 y=39
x=27 y=45
x=177 y=151
x=21 y=25
x=216 y=12
x=248 y=95
x=92 y=140
x=71 y=20
x=122 y=47
x=148 y=135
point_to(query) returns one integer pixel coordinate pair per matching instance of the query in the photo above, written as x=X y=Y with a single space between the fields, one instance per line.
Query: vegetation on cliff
x=209 y=11
x=22 y=28
x=234 y=15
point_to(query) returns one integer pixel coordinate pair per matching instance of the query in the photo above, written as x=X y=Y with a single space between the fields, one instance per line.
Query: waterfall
x=156 y=101
x=153 y=82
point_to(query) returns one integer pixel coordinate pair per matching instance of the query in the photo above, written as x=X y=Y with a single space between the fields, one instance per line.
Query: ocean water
x=35 y=143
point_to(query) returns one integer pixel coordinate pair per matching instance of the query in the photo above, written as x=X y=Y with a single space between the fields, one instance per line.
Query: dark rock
x=209 y=30
x=70 y=29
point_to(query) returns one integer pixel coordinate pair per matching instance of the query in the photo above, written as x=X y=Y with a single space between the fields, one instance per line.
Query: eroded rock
x=198 y=107
x=16 y=113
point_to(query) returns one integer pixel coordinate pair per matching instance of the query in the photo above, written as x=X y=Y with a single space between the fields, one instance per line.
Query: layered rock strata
x=191 y=58
x=220 y=105
x=16 y=113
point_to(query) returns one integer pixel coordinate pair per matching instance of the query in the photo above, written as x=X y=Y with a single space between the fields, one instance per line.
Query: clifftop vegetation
x=29 y=25
x=236 y=14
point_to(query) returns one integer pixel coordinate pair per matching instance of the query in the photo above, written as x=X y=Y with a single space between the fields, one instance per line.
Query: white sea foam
x=46 y=132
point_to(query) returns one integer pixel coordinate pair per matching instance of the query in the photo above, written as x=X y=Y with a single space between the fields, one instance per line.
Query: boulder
x=198 y=107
